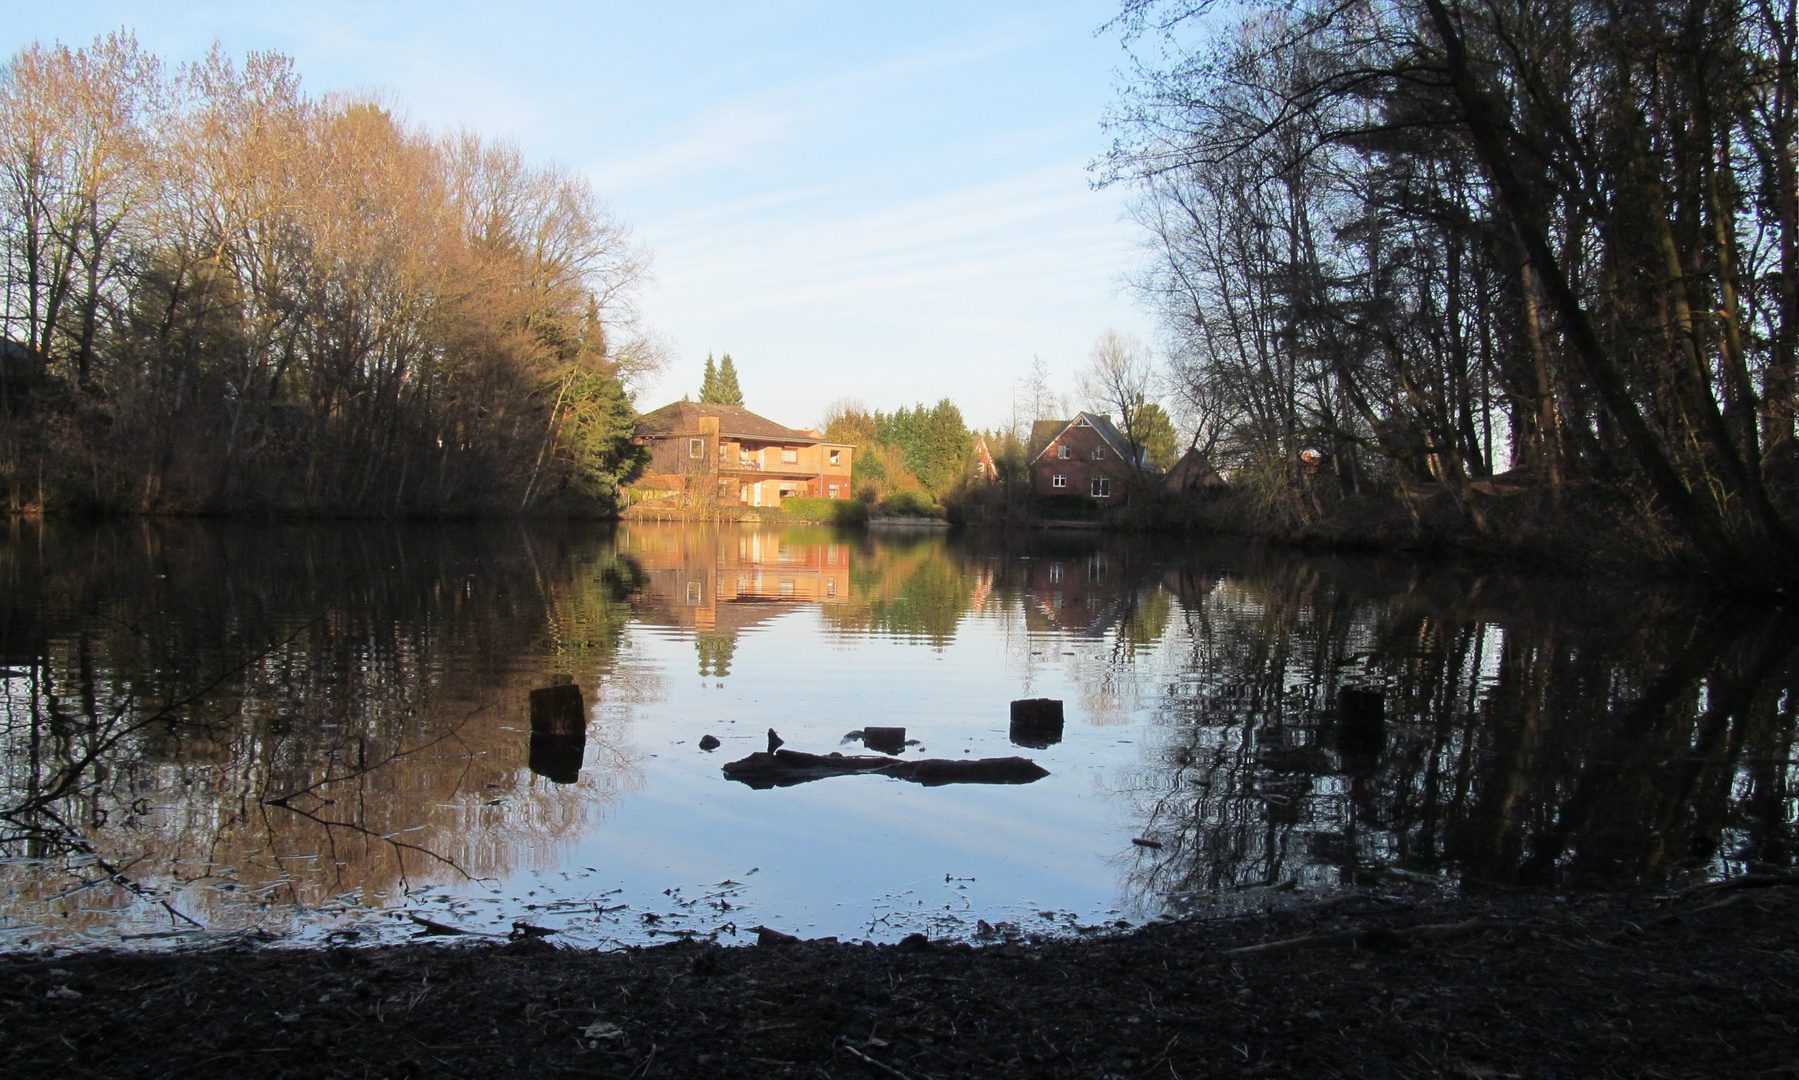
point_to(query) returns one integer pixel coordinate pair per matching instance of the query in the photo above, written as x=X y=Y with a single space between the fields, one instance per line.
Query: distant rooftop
x=684 y=416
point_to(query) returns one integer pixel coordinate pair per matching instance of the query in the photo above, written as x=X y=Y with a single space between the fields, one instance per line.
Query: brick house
x=1084 y=456
x=729 y=455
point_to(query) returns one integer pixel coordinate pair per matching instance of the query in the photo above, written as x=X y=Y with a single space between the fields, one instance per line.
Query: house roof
x=684 y=416
x=1045 y=432
x=1193 y=471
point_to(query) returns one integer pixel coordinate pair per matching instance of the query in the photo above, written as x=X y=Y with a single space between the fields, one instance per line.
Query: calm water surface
x=323 y=732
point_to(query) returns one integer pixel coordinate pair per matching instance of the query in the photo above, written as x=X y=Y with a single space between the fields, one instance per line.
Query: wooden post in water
x=558 y=731
x=559 y=710
x=1036 y=722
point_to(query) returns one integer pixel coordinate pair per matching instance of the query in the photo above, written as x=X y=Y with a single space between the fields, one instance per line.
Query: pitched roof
x=1045 y=432
x=684 y=416
x=1193 y=472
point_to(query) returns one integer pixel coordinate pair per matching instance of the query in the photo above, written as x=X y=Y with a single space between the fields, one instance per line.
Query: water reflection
x=309 y=717
x=235 y=725
x=1537 y=734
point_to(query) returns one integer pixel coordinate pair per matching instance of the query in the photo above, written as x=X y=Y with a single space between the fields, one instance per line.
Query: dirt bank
x=1701 y=984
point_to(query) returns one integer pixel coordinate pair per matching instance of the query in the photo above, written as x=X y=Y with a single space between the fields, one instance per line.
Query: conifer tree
x=709 y=383
x=728 y=393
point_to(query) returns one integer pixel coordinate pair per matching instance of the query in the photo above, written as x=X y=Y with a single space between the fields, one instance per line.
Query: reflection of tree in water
x=915 y=588
x=1536 y=735
x=292 y=713
x=715 y=652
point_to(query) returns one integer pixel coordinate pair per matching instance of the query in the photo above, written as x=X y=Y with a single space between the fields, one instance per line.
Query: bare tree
x=1119 y=379
x=1035 y=398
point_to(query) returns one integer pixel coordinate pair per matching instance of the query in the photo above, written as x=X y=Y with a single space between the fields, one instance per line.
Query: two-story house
x=731 y=455
x=1085 y=456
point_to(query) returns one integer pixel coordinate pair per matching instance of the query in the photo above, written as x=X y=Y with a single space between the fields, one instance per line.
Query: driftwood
x=1370 y=940
x=785 y=768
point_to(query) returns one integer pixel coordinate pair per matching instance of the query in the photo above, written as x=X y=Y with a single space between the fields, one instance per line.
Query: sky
x=890 y=203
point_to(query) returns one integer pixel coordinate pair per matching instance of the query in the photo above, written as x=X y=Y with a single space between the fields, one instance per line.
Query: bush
x=1067 y=508
x=908 y=504
x=830 y=511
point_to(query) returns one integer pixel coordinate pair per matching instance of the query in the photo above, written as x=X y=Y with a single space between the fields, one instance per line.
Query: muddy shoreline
x=1390 y=983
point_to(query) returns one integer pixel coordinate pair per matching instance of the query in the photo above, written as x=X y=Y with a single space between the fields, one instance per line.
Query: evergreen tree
x=709 y=383
x=729 y=393
x=933 y=442
x=1155 y=433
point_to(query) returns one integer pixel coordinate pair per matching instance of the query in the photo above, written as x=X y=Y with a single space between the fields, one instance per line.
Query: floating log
x=559 y=710
x=557 y=758
x=785 y=768
x=886 y=740
x=1036 y=722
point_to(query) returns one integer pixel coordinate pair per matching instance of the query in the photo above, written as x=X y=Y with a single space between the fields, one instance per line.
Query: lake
x=323 y=732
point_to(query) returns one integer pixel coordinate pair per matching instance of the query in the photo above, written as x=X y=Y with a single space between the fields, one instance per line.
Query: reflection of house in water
x=721 y=582
x=1077 y=593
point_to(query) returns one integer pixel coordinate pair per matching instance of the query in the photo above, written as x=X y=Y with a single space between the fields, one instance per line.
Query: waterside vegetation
x=222 y=295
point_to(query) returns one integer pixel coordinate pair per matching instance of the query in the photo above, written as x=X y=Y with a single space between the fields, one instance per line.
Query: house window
x=834 y=489
x=836 y=457
x=1099 y=453
x=789 y=454
x=695 y=592
x=1058 y=480
x=696 y=447
x=724 y=452
x=1055 y=571
x=830 y=588
x=1063 y=452
x=1102 y=487
x=1086 y=422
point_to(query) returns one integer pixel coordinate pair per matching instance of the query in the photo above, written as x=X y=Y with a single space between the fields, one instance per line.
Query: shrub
x=1067 y=508
x=830 y=511
x=908 y=504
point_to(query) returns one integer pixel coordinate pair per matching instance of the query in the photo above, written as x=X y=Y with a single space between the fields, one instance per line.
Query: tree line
x=1433 y=242
x=918 y=449
x=222 y=294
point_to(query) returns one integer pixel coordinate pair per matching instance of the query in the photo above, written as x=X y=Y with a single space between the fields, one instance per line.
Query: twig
x=890 y=1070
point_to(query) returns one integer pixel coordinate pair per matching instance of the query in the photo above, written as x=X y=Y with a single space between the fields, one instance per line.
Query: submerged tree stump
x=1036 y=722
x=559 y=710
x=885 y=740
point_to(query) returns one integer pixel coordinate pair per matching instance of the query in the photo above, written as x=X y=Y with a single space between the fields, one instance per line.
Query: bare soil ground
x=1699 y=984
